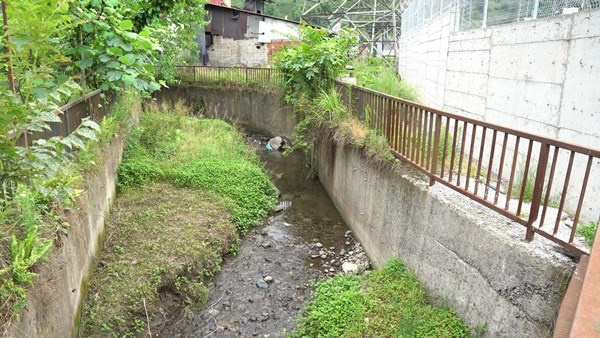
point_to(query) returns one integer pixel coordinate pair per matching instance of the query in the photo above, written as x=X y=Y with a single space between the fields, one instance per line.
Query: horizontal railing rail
x=525 y=177
x=94 y=105
x=270 y=77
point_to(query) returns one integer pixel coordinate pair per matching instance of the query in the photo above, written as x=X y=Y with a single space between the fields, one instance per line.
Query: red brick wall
x=275 y=45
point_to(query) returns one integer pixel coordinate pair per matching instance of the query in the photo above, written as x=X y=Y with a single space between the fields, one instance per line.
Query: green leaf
x=86 y=133
x=127 y=59
x=86 y=122
x=114 y=51
x=126 y=25
x=114 y=75
x=127 y=79
x=86 y=63
x=153 y=86
x=49 y=117
x=88 y=28
x=113 y=64
x=144 y=34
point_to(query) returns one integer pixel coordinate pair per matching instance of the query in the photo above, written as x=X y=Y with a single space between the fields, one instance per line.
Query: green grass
x=187 y=188
x=374 y=74
x=199 y=153
x=389 y=302
x=588 y=231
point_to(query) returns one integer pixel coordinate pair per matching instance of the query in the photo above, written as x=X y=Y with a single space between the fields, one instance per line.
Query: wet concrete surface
x=261 y=291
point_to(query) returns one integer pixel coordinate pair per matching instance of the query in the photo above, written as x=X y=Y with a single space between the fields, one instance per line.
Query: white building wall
x=540 y=76
x=253 y=51
x=270 y=29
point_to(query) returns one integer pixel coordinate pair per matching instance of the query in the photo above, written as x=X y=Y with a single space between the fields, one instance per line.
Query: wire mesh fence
x=420 y=11
x=483 y=13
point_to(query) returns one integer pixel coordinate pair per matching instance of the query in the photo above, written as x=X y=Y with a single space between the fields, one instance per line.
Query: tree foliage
x=59 y=49
x=310 y=66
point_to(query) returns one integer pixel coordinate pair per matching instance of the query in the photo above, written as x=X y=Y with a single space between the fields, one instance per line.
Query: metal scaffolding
x=376 y=21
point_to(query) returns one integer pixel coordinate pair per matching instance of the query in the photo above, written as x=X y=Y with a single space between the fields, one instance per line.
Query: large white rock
x=348 y=267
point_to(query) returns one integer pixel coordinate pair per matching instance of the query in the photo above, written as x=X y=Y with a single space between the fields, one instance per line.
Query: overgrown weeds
x=188 y=188
x=200 y=153
x=374 y=74
x=389 y=302
x=588 y=231
x=161 y=242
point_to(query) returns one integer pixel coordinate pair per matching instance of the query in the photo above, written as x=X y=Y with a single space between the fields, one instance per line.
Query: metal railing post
x=537 y=190
x=436 y=145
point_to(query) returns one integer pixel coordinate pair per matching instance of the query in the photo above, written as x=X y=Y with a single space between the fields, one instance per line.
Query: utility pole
x=11 y=77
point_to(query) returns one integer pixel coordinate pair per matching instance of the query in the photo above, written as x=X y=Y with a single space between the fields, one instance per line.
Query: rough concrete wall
x=229 y=52
x=54 y=303
x=423 y=58
x=257 y=109
x=539 y=76
x=467 y=257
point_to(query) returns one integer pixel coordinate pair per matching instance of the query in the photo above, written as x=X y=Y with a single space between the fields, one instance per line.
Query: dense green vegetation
x=388 y=302
x=188 y=187
x=55 y=51
x=198 y=153
x=30 y=214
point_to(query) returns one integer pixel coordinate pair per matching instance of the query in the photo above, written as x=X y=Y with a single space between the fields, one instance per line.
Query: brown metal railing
x=525 y=177
x=269 y=77
x=94 y=105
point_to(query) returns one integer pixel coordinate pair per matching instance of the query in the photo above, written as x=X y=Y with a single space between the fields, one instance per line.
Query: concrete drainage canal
x=261 y=290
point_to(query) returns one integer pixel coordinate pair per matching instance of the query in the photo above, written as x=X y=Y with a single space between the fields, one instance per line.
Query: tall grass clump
x=374 y=74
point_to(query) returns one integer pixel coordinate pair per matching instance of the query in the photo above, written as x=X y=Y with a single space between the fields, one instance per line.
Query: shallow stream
x=261 y=291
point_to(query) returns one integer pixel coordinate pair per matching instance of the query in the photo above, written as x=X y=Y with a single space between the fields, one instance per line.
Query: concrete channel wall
x=257 y=109
x=468 y=257
x=53 y=305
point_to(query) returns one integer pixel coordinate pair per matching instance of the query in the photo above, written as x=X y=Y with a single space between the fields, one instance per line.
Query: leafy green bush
x=312 y=65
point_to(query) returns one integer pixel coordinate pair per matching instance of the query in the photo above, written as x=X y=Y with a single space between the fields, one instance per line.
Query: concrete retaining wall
x=467 y=257
x=539 y=76
x=53 y=305
x=257 y=109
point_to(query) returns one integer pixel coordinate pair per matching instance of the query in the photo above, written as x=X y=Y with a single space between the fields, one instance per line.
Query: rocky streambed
x=261 y=291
